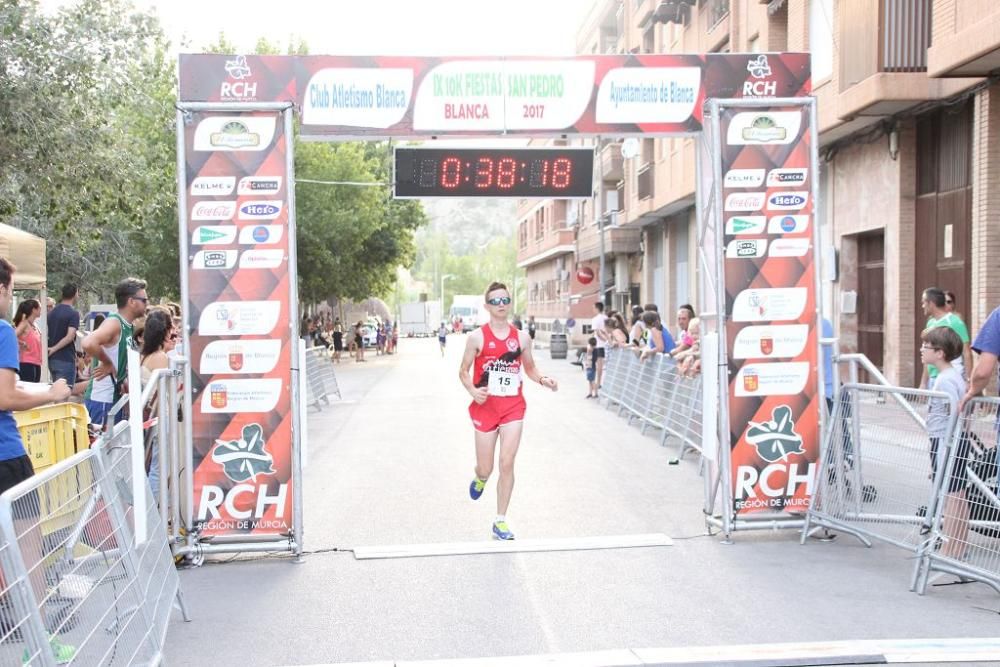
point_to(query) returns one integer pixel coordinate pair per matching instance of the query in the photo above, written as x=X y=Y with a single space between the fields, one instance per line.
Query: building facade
x=909 y=115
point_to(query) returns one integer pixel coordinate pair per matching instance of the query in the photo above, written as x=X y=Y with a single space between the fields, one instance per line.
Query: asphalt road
x=391 y=464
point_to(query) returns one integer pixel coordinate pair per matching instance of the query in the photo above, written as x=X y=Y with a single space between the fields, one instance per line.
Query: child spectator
x=588 y=367
x=689 y=359
x=941 y=345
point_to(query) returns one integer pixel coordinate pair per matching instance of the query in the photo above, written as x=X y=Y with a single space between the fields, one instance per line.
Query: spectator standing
x=597 y=325
x=15 y=464
x=638 y=331
x=63 y=323
x=159 y=338
x=359 y=340
x=29 y=340
x=684 y=316
x=531 y=327
x=950 y=302
x=941 y=346
x=658 y=339
x=109 y=345
x=933 y=303
x=615 y=331
x=517 y=323
x=987 y=345
x=338 y=340
x=588 y=367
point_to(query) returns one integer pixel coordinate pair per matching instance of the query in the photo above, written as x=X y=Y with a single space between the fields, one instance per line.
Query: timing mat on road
x=513 y=546
x=867 y=652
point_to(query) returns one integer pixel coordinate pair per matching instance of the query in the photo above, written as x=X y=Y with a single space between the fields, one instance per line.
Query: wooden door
x=943 y=211
x=871 y=298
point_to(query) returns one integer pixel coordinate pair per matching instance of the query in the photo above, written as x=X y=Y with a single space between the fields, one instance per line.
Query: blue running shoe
x=501 y=531
x=476 y=488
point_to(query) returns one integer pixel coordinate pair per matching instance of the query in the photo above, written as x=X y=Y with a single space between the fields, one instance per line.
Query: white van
x=471 y=308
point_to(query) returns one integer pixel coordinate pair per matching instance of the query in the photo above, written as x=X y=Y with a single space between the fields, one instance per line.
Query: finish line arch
x=755 y=125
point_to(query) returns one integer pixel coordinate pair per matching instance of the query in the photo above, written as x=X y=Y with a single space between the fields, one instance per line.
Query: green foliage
x=86 y=139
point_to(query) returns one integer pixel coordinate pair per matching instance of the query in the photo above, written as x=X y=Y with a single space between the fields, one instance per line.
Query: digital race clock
x=547 y=173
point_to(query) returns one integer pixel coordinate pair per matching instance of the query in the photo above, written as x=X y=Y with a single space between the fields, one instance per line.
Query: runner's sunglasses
x=499 y=300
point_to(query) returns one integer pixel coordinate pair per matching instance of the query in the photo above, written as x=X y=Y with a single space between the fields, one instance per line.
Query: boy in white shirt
x=940 y=346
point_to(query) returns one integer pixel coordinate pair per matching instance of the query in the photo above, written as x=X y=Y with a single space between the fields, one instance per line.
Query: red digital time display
x=520 y=172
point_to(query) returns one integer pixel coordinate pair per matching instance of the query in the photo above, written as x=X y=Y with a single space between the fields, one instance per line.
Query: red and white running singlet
x=497 y=367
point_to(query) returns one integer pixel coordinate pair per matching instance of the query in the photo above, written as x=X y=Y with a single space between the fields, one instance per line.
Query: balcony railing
x=905 y=35
x=644 y=182
x=894 y=40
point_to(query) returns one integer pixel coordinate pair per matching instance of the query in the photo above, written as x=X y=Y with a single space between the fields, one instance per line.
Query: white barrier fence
x=79 y=587
x=657 y=394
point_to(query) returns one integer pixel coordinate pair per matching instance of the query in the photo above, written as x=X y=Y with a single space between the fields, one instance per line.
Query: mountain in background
x=469 y=224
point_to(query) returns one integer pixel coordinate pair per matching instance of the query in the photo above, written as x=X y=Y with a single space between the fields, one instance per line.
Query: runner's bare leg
x=510 y=440
x=485 y=449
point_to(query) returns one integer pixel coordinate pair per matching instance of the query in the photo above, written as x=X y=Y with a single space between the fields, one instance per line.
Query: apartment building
x=908 y=99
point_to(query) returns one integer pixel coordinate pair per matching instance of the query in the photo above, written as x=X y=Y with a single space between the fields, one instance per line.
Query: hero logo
x=237 y=69
x=210 y=186
x=260 y=210
x=259 y=185
x=788 y=201
x=777 y=178
x=759 y=69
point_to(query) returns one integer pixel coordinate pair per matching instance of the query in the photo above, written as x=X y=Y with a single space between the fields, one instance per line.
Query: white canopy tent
x=27 y=253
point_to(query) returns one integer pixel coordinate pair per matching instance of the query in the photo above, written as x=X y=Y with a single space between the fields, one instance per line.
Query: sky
x=376 y=27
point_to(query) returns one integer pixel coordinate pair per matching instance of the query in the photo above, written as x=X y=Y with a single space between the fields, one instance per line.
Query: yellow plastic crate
x=52 y=433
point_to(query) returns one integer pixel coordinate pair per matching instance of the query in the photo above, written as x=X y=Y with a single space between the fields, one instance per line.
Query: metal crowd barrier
x=967 y=522
x=878 y=477
x=321 y=381
x=654 y=392
x=77 y=586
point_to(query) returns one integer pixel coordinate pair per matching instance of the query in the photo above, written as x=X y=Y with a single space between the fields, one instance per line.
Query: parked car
x=369 y=334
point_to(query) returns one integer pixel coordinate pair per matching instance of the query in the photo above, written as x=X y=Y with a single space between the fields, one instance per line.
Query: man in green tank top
x=109 y=345
x=932 y=302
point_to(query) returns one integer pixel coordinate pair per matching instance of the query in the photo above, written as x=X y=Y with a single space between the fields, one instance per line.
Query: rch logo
x=238 y=69
x=759 y=69
x=775 y=440
x=245 y=458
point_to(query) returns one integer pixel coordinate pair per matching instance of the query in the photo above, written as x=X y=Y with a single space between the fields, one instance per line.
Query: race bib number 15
x=503 y=384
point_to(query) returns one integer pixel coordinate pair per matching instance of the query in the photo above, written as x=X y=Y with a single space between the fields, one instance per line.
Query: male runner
x=496 y=353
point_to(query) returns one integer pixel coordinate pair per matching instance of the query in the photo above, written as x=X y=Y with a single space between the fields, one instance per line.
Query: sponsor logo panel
x=788 y=201
x=778 y=378
x=261 y=234
x=212 y=186
x=745 y=201
x=239 y=318
x=240 y=356
x=771 y=127
x=237 y=87
x=746 y=248
x=262 y=259
x=769 y=304
x=777 y=340
x=745 y=224
x=241 y=395
x=261 y=210
x=213 y=210
x=788 y=224
x=790 y=247
x=214 y=259
x=744 y=178
x=213 y=235
x=235 y=133
x=760 y=70
x=259 y=185
x=777 y=178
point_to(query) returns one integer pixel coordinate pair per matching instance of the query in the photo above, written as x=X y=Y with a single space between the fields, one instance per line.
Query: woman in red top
x=496 y=354
x=29 y=340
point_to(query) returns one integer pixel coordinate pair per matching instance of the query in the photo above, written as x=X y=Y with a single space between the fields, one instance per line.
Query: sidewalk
x=390 y=465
